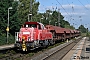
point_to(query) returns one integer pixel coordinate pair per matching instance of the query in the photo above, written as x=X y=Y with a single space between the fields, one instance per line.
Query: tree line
x=20 y=13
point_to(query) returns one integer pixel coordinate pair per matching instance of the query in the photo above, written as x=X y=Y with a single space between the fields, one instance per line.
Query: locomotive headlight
x=19 y=39
x=16 y=39
x=29 y=39
x=32 y=39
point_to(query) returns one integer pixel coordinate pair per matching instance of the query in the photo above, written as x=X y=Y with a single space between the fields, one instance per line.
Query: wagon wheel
x=63 y=37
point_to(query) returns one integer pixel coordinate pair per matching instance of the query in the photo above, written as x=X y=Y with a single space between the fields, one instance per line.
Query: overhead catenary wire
x=83 y=5
x=62 y=7
x=71 y=7
x=70 y=13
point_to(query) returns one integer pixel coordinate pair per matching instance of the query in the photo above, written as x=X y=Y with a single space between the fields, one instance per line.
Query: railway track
x=13 y=55
x=58 y=52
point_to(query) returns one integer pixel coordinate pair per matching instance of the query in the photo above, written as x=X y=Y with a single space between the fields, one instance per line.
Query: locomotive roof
x=32 y=23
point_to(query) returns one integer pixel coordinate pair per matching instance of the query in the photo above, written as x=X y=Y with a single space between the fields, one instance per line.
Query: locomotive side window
x=26 y=25
x=30 y=25
x=42 y=26
x=33 y=25
x=39 y=27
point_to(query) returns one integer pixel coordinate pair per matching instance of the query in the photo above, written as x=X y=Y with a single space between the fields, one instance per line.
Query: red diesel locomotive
x=33 y=35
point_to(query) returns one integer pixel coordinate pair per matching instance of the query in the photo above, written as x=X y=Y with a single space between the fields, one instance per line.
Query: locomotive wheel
x=51 y=42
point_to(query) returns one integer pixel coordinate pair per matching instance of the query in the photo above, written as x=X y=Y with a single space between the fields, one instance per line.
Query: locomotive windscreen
x=30 y=25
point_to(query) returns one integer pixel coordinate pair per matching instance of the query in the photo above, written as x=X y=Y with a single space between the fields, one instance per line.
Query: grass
x=30 y=54
x=18 y=59
x=2 y=55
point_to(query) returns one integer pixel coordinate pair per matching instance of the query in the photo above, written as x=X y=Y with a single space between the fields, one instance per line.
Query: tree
x=15 y=23
x=54 y=18
x=13 y=20
x=4 y=5
x=27 y=7
x=82 y=29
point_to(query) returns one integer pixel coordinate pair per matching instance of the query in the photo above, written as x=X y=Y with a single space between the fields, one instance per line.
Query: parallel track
x=59 y=54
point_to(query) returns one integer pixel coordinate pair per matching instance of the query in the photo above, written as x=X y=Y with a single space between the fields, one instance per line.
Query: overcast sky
x=77 y=12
